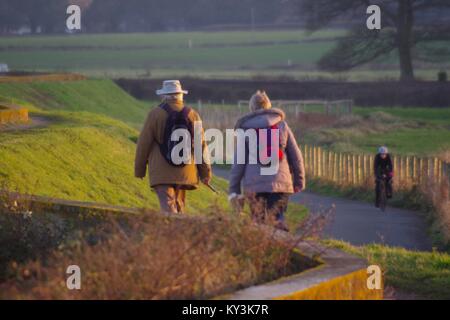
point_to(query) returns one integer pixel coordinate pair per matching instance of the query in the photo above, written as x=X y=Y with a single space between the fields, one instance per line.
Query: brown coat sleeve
x=144 y=145
x=204 y=169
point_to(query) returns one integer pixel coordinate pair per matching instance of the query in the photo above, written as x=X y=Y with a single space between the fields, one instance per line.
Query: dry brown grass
x=438 y=195
x=146 y=257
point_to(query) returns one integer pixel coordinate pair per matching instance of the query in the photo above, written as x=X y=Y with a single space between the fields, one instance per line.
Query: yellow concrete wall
x=13 y=115
x=44 y=78
x=351 y=286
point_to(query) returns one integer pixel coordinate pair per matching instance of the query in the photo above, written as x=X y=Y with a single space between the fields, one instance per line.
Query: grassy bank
x=86 y=156
x=423 y=274
x=96 y=96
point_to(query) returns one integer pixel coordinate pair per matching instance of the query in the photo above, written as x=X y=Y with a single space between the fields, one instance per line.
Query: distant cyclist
x=383 y=170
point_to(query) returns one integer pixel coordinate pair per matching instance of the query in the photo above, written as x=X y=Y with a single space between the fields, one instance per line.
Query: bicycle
x=382 y=199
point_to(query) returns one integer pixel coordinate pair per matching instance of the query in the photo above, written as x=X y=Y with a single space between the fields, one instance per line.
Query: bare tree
x=407 y=24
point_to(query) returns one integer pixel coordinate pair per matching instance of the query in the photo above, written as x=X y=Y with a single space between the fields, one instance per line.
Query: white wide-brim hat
x=171 y=87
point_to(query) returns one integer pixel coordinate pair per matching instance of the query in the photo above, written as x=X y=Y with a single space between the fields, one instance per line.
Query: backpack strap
x=166 y=107
x=186 y=111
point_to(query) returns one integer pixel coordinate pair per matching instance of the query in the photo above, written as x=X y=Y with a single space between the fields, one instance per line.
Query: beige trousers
x=172 y=198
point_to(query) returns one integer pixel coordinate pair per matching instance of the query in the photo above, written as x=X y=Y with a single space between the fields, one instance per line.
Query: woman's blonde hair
x=259 y=100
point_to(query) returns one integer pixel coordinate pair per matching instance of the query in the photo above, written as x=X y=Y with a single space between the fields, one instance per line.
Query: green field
x=431 y=116
x=204 y=54
x=406 y=131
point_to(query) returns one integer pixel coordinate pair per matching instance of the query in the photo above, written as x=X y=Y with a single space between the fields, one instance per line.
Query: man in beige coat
x=170 y=182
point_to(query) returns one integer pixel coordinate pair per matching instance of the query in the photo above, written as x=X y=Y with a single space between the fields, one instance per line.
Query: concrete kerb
x=339 y=276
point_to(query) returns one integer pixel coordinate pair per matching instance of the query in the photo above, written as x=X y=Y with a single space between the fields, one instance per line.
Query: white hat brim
x=163 y=92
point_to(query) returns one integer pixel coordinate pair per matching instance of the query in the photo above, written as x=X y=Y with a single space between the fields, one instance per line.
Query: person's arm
x=144 y=145
x=377 y=167
x=237 y=173
x=391 y=167
x=204 y=169
x=296 y=162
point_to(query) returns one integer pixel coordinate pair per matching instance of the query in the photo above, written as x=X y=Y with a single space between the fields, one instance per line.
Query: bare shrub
x=155 y=257
x=438 y=195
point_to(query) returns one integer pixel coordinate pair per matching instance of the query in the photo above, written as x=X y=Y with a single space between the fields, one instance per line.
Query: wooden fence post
x=436 y=170
x=429 y=169
x=349 y=170
x=359 y=170
x=414 y=169
x=408 y=173
x=319 y=162
x=356 y=169
x=364 y=166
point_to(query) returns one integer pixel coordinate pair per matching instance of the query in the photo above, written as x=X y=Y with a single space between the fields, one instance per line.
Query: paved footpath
x=361 y=223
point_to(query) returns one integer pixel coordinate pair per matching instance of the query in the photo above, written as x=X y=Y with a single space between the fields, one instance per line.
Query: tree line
x=412 y=29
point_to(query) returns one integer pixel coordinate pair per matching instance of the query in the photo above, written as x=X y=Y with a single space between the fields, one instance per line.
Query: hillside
x=81 y=156
x=86 y=156
x=96 y=96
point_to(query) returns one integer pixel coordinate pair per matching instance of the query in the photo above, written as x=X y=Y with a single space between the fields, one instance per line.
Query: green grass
x=406 y=131
x=165 y=39
x=423 y=141
x=427 y=115
x=87 y=156
x=168 y=58
x=96 y=96
x=426 y=131
x=292 y=53
x=425 y=274
x=210 y=51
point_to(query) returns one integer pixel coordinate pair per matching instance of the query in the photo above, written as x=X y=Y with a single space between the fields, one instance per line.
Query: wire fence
x=295 y=107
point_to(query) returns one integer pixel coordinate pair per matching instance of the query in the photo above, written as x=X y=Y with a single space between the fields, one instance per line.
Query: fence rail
x=357 y=169
x=224 y=117
x=336 y=107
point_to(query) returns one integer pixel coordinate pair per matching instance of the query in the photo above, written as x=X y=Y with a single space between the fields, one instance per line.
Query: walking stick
x=212 y=188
